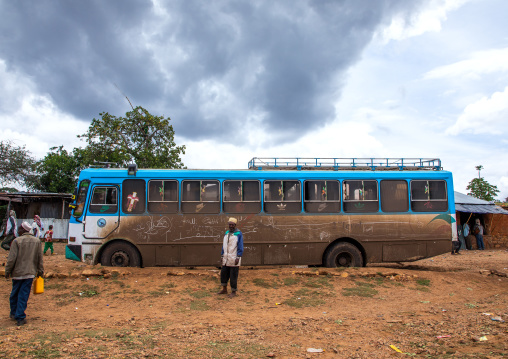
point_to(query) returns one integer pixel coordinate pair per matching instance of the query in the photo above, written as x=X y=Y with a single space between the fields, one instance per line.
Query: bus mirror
x=132 y=169
x=73 y=206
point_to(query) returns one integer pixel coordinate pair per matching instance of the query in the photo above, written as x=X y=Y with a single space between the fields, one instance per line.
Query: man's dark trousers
x=19 y=297
x=229 y=273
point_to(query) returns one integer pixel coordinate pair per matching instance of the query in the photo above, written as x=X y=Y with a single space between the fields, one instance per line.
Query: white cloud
x=429 y=19
x=503 y=188
x=487 y=115
x=32 y=119
x=338 y=139
x=480 y=63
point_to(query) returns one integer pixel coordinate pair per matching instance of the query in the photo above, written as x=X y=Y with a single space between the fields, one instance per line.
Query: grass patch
x=471 y=305
x=305 y=298
x=200 y=305
x=119 y=282
x=362 y=289
x=88 y=291
x=260 y=282
x=56 y=286
x=242 y=349
x=163 y=289
x=318 y=282
x=40 y=345
x=423 y=282
x=291 y=281
x=198 y=293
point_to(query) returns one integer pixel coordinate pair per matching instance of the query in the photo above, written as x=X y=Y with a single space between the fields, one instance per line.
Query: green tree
x=56 y=173
x=16 y=163
x=139 y=137
x=480 y=188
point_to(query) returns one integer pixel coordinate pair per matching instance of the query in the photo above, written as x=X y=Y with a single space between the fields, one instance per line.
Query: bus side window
x=429 y=196
x=104 y=200
x=80 y=200
x=133 y=196
x=394 y=196
x=200 y=196
x=360 y=196
x=282 y=197
x=162 y=196
x=322 y=197
x=241 y=197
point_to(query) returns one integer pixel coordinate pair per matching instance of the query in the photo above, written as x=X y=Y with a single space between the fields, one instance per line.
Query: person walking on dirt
x=48 y=239
x=11 y=231
x=37 y=227
x=478 y=232
x=23 y=264
x=232 y=250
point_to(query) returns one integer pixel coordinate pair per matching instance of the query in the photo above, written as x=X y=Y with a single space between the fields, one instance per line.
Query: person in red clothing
x=48 y=237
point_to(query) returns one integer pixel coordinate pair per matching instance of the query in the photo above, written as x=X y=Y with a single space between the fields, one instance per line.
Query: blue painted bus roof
x=121 y=173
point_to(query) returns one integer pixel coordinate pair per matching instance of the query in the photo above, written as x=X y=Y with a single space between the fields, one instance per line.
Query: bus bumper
x=73 y=252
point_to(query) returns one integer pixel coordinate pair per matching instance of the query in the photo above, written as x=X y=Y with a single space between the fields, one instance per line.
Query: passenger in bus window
x=232 y=250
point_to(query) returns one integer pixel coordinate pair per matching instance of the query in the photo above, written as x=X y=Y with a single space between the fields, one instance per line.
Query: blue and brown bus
x=329 y=212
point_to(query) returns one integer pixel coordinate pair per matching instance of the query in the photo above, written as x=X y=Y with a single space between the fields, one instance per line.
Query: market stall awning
x=468 y=204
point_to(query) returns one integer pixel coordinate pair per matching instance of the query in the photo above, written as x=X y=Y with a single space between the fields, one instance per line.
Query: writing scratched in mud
x=153 y=229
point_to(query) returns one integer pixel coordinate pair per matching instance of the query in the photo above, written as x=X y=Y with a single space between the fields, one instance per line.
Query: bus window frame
x=182 y=201
x=425 y=200
x=91 y=201
x=283 y=202
x=83 y=202
x=429 y=201
x=347 y=201
x=260 y=196
x=124 y=200
x=148 y=201
x=319 y=201
x=408 y=199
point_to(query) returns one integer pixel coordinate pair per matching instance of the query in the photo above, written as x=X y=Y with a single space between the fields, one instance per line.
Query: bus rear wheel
x=120 y=255
x=344 y=255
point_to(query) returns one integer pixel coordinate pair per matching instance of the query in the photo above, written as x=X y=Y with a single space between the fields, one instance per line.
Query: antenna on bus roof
x=335 y=164
x=124 y=95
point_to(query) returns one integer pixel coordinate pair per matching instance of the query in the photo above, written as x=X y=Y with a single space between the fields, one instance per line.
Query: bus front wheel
x=120 y=255
x=344 y=255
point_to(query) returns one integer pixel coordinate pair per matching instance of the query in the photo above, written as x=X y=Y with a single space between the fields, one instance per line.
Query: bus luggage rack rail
x=336 y=164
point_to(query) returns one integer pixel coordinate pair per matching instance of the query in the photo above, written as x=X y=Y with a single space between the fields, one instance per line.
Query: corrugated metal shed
x=468 y=204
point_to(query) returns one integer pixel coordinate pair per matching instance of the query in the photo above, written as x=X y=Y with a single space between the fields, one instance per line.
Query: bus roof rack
x=336 y=164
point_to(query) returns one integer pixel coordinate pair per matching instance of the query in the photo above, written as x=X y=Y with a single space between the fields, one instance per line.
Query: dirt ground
x=442 y=307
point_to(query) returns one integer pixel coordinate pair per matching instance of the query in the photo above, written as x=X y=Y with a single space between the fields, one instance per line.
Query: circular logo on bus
x=101 y=222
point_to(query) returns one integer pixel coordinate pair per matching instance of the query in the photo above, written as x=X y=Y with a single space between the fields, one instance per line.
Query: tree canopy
x=56 y=173
x=480 y=188
x=139 y=137
x=15 y=163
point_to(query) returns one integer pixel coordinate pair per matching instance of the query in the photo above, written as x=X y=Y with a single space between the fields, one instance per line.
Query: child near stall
x=48 y=237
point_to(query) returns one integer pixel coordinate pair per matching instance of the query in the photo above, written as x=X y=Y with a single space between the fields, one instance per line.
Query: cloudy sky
x=288 y=78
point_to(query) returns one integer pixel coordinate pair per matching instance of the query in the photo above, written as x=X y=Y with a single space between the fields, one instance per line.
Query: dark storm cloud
x=208 y=65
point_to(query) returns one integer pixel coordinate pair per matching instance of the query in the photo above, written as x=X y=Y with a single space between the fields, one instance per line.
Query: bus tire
x=120 y=254
x=343 y=254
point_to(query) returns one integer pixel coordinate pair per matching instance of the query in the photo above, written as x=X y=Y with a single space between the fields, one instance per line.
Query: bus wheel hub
x=343 y=260
x=120 y=259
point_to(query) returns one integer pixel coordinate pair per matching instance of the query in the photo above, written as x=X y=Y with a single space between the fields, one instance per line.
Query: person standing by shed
x=11 y=231
x=478 y=232
x=37 y=227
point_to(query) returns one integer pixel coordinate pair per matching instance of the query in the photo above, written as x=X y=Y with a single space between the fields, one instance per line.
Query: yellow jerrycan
x=39 y=285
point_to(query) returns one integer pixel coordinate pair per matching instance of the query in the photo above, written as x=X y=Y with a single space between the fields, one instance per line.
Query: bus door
x=102 y=216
